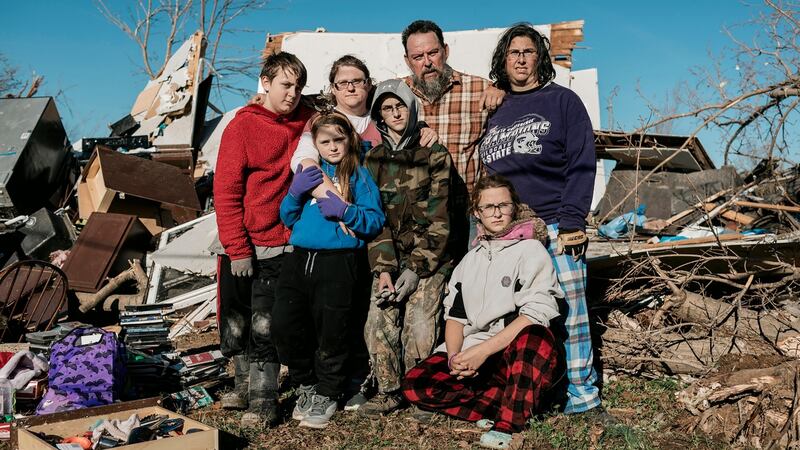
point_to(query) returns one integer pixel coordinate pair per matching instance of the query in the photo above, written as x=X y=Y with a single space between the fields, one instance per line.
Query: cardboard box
x=75 y=422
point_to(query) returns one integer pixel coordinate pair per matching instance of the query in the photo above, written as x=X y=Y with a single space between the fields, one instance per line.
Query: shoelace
x=319 y=404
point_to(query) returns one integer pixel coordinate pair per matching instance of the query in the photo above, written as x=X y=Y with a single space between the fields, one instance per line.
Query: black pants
x=245 y=309
x=317 y=306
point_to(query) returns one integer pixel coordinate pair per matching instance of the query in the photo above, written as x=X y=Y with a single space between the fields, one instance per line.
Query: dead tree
x=755 y=104
x=157 y=27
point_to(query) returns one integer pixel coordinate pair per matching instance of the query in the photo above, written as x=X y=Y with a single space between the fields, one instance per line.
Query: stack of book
x=40 y=341
x=146 y=328
x=200 y=367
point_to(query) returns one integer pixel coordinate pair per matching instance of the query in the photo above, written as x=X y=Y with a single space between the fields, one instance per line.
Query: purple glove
x=305 y=180
x=332 y=206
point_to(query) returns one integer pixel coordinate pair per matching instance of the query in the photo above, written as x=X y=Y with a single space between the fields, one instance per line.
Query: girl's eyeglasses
x=490 y=210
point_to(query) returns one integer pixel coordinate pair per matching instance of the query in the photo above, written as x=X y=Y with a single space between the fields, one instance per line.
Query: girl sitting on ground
x=317 y=289
x=499 y=353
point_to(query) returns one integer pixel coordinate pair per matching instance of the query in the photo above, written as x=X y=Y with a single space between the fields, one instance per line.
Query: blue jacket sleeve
x=581 y=167
x=290 y=210
x=365 y=215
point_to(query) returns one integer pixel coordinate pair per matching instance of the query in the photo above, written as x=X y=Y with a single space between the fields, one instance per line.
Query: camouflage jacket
x=414 y=184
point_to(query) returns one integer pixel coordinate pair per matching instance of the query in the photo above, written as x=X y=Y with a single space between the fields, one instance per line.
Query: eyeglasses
x=490 y=210
x=342 y=85
x=515 y=54
x=389 y=109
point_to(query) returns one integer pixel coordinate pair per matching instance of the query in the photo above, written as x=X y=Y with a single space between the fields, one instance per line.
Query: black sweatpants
x=316 y=308
x=245 y=309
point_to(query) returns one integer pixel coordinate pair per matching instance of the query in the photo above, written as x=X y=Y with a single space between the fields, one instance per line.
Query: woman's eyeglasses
x=344 y=84
x=525 y=54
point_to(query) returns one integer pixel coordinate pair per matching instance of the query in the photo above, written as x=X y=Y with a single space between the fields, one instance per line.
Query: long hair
x=489 y=182
x=544 y=66
x=348 y=165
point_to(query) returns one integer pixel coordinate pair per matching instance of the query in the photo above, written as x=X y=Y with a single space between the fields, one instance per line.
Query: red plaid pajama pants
x=507 y=389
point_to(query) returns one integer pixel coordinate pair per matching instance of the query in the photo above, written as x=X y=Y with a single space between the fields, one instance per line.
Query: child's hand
x=332 y=206
x=346 y=230
x=385 y=281
x=305 y=180
x=469 y=360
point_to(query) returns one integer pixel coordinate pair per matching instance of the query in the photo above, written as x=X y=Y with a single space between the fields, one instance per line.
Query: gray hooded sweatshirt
x=400 y=89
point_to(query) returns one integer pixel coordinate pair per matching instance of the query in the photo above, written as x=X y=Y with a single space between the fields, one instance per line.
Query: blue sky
x=649 y=45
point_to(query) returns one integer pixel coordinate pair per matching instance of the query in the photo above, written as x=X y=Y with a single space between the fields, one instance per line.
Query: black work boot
x=263 y=407
x=237 y=398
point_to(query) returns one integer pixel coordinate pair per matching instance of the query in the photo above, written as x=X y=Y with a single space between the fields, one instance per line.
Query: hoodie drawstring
x=310 y=259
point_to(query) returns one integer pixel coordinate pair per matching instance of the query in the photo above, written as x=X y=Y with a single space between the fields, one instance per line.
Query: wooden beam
x=737 y=217
x=794 y=209
x=701 y=240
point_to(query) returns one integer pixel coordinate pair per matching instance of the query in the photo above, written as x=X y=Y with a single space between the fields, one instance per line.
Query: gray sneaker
x=303 y=404
x=322 y=408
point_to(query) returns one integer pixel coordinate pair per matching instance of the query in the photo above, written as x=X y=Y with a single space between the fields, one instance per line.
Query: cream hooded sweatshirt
x=497 y=278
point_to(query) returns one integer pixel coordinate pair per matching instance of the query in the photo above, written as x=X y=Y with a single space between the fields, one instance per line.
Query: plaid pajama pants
x=582 y=393
x=507 y=389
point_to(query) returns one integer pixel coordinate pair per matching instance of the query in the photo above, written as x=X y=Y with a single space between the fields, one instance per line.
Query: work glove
x=332 y=206
x=242 y=267
x=384 y=296
x=572 y=242
x=305 y=180
x=406 y=283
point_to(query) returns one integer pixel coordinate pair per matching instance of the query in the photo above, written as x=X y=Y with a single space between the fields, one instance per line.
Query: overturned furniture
x=34 y=297
x=157 y=193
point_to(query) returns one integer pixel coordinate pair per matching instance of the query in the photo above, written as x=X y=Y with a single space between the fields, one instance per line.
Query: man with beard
x=455 y=105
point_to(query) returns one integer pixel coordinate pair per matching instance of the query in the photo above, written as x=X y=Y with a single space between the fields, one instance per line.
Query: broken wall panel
x=652 y=149
x=664 y=193
x=170 y=107
x=189 y=252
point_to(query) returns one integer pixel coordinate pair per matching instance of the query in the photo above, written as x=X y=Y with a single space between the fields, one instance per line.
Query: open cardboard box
x=72 y=423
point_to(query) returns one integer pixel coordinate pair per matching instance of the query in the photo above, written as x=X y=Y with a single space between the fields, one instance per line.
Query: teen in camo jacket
x=410 y=256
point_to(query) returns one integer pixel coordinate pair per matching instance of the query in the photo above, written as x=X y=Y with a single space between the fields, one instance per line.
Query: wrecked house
x=690 y=264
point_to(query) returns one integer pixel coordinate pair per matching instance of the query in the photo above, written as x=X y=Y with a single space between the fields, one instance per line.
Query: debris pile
x=110 y=236
x=706 y=279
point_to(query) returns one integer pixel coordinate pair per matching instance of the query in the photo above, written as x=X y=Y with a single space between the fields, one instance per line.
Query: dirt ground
x=649 y=419
x=648 y=415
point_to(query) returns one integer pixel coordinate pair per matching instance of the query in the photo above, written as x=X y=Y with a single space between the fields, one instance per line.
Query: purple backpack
x=87 y=368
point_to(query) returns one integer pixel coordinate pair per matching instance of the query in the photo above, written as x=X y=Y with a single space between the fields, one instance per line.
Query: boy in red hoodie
x=252 y=176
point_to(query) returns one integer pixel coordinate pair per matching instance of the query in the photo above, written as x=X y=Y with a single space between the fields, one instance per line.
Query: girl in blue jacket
x=318 y=285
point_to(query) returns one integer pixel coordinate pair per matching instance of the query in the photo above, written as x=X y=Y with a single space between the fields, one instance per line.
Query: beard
x=434 y=89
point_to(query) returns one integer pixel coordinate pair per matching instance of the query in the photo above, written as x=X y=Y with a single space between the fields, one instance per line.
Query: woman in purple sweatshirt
x=541 y=139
